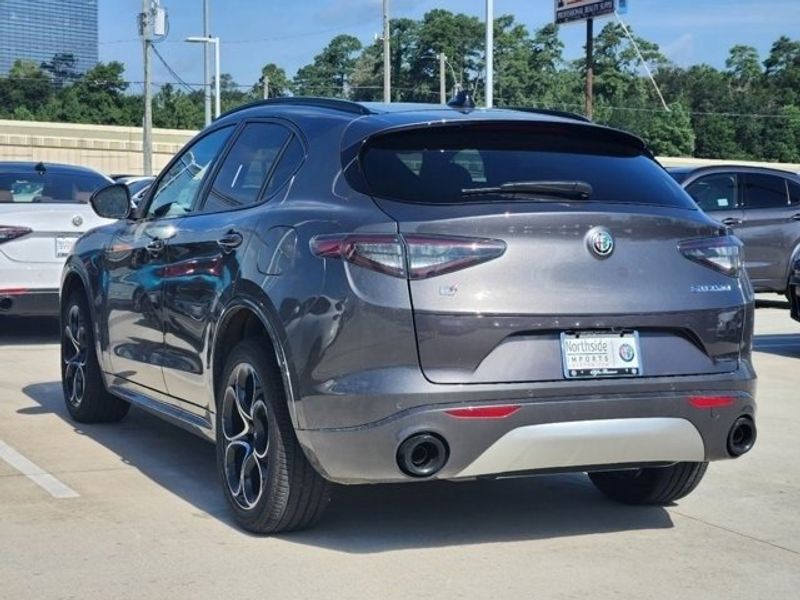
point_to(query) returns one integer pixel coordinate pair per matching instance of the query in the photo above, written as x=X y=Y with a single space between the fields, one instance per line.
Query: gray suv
x=761 y=206
x=366 y=293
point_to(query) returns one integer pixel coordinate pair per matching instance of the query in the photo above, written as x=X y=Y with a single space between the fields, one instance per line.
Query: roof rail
x=553 y=113
x=331 y=103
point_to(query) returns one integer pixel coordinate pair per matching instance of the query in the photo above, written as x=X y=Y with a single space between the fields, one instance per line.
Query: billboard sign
x=568 y=11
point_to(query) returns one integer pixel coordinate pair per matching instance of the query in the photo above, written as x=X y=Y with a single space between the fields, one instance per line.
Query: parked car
x=761 y=206
x=44 y=208
x=137 y=186
x=361 y=293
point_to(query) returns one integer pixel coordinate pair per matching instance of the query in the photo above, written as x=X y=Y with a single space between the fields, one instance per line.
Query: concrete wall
x=107 y=148
x=113 y=149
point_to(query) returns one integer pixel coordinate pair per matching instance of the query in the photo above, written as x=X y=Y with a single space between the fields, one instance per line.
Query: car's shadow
x=19 y=331
x=377 y=518
x=781 y=344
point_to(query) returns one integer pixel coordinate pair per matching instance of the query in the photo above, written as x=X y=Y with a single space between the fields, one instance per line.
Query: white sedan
x=44 y=208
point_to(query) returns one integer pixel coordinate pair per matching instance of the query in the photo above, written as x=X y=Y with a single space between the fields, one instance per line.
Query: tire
x=266 y=478
x=652 y=485
x=85 y=395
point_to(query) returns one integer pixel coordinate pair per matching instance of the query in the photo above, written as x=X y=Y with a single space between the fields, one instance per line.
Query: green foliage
x=330 y=73
x=750 y=109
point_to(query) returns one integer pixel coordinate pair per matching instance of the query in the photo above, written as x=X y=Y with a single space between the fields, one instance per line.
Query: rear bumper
x=24 y=303
x=568 y=433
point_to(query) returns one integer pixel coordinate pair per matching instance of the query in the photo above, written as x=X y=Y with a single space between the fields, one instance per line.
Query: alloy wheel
x=245 y=436
x=75 y=353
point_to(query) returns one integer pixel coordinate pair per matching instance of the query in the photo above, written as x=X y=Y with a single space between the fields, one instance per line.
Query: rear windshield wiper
x=578 y=190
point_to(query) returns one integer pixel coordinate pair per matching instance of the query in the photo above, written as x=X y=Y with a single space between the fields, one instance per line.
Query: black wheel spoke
x=75 y=354
x=245 y=436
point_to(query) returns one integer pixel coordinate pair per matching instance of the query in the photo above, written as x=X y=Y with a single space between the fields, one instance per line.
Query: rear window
x=434 y=166
x=48 y=188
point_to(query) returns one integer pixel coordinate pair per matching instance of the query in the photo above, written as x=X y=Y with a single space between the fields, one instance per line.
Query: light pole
x=206 y=67
x=489 y=53
x=387 y=65
x=215 y=41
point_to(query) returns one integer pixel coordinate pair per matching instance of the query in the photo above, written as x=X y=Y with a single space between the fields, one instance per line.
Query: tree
x=743 y=64
x=62 y=68
x=26 y=90
x=176 y=109
x=330 y=73
x=279 y=85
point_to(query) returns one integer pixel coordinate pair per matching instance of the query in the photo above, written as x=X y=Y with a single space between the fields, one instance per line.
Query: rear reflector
x=711 y=401
x=13 y=291
x=483 y=412
x=408 y=256
x=8 y=233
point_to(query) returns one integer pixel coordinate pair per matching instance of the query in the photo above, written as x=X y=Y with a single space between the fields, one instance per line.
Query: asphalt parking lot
x=135 y=511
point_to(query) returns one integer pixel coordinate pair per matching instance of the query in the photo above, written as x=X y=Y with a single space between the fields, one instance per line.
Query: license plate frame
x=604 y=354
x=64 y=245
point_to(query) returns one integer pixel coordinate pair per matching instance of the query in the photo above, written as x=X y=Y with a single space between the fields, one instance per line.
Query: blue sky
x=291 y=32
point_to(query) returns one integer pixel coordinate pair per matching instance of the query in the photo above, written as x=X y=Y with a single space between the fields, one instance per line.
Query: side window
x=178 y=188
x=289 y=163
x=714 y=192
x=764 y=191
x=246 y=167
x=794 y=193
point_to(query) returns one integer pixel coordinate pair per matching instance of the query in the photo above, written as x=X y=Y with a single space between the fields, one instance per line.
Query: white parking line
x=36 y=474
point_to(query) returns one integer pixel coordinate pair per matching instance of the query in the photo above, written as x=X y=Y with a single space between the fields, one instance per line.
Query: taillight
x=8 y=233
x=723 y=254
x=408 y=256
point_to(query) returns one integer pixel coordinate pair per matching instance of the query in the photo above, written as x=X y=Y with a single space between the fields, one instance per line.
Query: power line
x=171 y=71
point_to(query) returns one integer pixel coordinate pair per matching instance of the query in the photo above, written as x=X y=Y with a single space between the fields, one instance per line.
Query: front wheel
x=268 y=482
x=650 y=485
x=84 y=393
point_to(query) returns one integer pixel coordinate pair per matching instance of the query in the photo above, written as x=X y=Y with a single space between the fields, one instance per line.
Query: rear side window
x=48 y=187
x=714 y=192
x=246 y=167
x=436 y=165
x=288 y=164
x=764 y=191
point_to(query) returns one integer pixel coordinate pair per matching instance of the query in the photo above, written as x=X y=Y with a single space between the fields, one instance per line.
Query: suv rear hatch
x=546 y=277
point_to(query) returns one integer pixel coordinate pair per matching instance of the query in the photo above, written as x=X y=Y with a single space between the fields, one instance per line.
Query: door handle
x=155 y=248
x=230 y=241
x=796 y=217
x=731 y=221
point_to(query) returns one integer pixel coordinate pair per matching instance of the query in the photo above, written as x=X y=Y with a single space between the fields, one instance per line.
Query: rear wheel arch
x=241 y=321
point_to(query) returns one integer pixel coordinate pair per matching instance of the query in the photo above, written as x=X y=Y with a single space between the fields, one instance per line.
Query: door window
x=764 y=191
x=794 y=193
x=246 y=167
x=714 y=192
x=178 y=188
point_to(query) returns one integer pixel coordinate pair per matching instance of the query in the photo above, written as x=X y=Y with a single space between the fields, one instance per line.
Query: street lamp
x=215 y=41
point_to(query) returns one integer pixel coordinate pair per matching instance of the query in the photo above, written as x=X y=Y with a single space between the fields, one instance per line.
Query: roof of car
x=366 y=119
x=402 y=111
x=9 y=166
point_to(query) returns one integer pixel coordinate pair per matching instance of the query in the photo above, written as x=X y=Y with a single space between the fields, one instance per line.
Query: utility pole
x=146 y=31
x=387 y=59
x=206 y=66
x=489 y=53
x=589 y=107
x=442 y=78
x=266 y=86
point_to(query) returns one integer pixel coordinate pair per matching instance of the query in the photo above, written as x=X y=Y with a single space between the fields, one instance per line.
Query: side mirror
x=112 y=201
